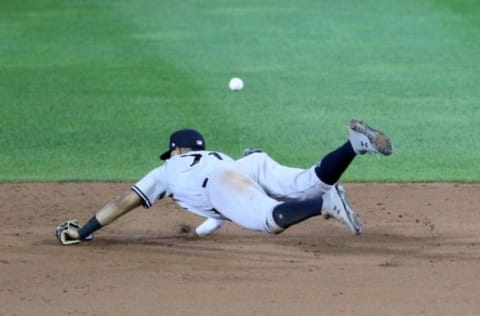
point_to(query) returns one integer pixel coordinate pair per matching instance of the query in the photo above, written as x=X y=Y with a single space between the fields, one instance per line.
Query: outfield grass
x=90 y=90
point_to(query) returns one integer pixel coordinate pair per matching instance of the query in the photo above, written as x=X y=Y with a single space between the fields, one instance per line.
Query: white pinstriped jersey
x=213 y=185
x=183 y=178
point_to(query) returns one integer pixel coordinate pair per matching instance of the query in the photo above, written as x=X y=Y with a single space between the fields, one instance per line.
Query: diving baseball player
x=254 y=191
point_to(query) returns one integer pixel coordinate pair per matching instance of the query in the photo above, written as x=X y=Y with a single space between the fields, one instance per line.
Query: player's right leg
x=367 y=139
x=362 y=139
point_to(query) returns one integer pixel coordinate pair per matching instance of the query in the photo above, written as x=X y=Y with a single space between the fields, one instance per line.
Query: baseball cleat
x=366 y=139
x=335 y=204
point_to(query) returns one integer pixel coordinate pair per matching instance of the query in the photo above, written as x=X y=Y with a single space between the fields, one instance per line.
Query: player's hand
x=66 y=233
x=185 y=231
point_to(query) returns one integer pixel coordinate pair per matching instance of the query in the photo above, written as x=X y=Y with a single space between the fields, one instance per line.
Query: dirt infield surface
x=419 y=255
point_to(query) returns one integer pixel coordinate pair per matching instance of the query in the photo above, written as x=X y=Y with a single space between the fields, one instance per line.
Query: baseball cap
x=186 y=137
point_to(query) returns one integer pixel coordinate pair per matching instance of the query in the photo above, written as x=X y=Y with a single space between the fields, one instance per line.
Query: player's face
x=175 y=152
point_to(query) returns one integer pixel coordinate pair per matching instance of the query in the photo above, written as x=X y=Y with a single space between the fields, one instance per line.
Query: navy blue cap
x=184 y=138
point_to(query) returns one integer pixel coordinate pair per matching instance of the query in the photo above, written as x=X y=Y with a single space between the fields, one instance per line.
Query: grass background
x=91 y=90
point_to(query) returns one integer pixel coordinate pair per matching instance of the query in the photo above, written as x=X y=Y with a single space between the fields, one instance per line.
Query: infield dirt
x=419 y=255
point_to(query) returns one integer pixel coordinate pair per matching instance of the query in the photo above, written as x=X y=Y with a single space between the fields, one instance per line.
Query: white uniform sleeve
x=209 y=226
x=152 y=187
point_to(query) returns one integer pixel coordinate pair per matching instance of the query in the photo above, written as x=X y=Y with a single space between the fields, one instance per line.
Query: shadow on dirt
x=381 y=244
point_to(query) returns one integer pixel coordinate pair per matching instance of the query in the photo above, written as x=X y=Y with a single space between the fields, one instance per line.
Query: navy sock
x=293 y=212
x=334 y=164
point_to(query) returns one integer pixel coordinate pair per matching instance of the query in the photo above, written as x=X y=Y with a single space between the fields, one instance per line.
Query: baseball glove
x=61 y=232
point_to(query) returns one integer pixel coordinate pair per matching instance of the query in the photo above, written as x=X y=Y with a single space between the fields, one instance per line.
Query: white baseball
x=236 y=84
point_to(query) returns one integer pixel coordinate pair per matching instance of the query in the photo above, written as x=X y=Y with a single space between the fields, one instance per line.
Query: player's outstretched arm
x=114 y=209
x=117 y=207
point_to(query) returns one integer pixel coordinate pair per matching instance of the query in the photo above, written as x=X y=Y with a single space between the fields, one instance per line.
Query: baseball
x=236 y=84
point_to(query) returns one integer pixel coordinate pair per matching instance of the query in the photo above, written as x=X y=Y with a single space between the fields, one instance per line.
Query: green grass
x=90 y=90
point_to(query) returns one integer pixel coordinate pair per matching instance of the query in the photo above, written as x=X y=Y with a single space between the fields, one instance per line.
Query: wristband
x=92 y=225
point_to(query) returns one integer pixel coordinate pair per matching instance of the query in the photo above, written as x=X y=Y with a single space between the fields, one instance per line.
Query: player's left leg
x=334 y=203
x=241 y=200
x=305 y=188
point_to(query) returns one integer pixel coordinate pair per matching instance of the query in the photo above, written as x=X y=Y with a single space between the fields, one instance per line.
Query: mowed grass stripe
x=92 y=89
